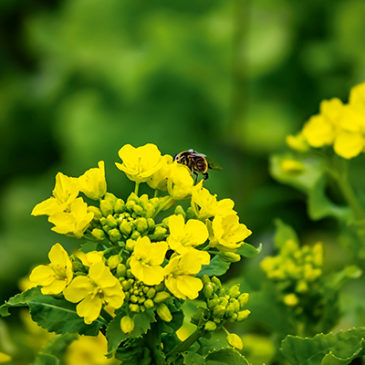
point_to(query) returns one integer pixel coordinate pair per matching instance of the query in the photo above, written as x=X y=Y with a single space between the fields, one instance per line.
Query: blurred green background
x=229 y=78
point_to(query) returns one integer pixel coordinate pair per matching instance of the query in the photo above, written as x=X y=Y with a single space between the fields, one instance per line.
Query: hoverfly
x=196 y=162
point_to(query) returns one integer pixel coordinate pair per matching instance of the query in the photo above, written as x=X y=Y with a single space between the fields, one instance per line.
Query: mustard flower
x=227 y=233
x=92 y=183
x=4 y=357
x=205 y=205
x=55 y=276
x=140 y=163
x=180 y=182
x=180 y=273
x=92 y=291
x=183 y=235
x=159 y=179
x=146 y=259
x=90 y=258
x=74 y=221
x=64 y=193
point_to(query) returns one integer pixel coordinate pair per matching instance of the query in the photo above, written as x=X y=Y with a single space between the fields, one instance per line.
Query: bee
x=196 y=162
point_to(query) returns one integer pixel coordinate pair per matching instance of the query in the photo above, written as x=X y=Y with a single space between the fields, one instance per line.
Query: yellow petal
x=66 y=188
x=42 y=275
x=349 y=145
x=56 y=287
x=101 y=275
x=79 y=288
x=197 y=232
x=189 y=285
x=89 y=309
x=58 y=255
x=318 y=131
x=48 y=207
x=4 y=357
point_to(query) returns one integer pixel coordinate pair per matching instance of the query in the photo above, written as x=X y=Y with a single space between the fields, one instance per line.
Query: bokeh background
x=229 y=78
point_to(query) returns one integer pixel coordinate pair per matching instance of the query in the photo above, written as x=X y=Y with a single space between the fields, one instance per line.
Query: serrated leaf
x=217 y=267
x=115 y=335
x=192 y=358
x=226 y=357
x=284 y=233
x=51 y=313
x=330 y=349
x=320 y=206
x=249 y=251
x=53 y=351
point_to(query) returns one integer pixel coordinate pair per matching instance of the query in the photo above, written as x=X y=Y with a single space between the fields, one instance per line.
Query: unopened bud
x=148 y=304
x=129 y=245
x=127 y=324
x=113 y=261
x=141 y=224
x=151 y=293
x=135 y=235
x=119 y=206
x=219 y=311
x=234 y=291
x=125 y=227
x=291 y=300
x=111 y=221
x=180 y=210
x=243 y=315
x=243 y=299
x=208 y=290
x=161 y=296
x=106 y=207
x=230 y=256
x=134 y=307
x=114 y=235
x=216 y=281
x=235 y=341
x=159 y=233
x=95 y=210
x=98 y=234
x=150 y=223
x=210 y=326
x=121 y=270
x=164 y=312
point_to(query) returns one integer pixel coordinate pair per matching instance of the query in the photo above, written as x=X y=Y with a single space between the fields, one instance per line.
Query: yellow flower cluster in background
x=143 y=260
x=339 y=125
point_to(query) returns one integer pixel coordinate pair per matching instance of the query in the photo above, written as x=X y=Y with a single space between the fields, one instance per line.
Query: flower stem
x=136 y=188
x=181 y=347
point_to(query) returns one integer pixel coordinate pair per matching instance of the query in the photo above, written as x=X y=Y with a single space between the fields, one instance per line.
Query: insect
x=196 y=162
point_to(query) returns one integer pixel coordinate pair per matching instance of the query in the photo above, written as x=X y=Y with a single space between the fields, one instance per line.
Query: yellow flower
x=146 y=259
x=92 y=291
x=180 y=273
x=74 y=221
x=183 y=235
x=88 y=350
x=349 y=144
x=4 y=357
x=318 y=131
x=291 y=166
x=357 y=94
x=180 y=182
x=140 y=163
x=55 y=276
x=205 y=205
x=297 y=142
x=228 y=233
x=159 y=179
x=64 y=193
x=92 y=183
x=90 y=258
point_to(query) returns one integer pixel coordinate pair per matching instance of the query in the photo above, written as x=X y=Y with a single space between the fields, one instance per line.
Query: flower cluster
x=146 y=251
x=295 y=271
x=338 y=124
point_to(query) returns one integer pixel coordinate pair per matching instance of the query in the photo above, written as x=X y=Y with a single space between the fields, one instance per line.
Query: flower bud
x=129 y=245
x=164 y=312
x=291 y=300
x=243 y=315
x=127 y=324
x=106 y=207
x=125 y=227
x=126 y=284
x=219 y=311
x=141 y=224
x=212 y=303
x=161 y=297
x=113 y=261
x=159 y=233
x=234 y=291
x=121 y=270
x=151 y=293
x=180 y=210
x=205 y=279
x=135 y=235
x=150 y=223
x=235 y=341
x=114 y=235
x=98 y=234
x=230 y=256
x=148 y=304
x=119 y=206
x=216 y=281
x=95 y=210
x=210 y=326
x=134 y=307
x=208 y=290
x=111 y=221
x=243 y=299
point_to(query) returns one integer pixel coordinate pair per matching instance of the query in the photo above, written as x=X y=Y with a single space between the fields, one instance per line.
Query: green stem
x=183 y=346
x=136 y=188
x=161 y=207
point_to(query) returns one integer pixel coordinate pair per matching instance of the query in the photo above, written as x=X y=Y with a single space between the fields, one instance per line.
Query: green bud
x=130 y=204
x=138 y=210
x=223 y=301
x=210 y=326
x=150 y=223
x=121 y=270
x=95 y=210
x=180 y=210
x=133 y=298
x=127 y=324
x=119 y=206
x=129 y=273
x=235 y=341
x=148 y=304
x=230 y=256
x=125 y=227
x=159 y=287
x=212 y=303
x=216 y=281
x=141 y=224
x=149 y=210
x=208 y=290
x=243 y=315
x=151 y=293
x=159 y=233
x=234 y=291
x=135 y=235
x=98 y=234
x=76 y=264
x=114 y=235
x=111 y=221
x=205 y=279
x=164 y=312
x=113 y=261
x=230 y=309
x=243 y=299
x=161 y=296
x=106 y=207
x=134 y=307
x=133 y=197
x=219 y=311
x=141 y=300
x=129 y=245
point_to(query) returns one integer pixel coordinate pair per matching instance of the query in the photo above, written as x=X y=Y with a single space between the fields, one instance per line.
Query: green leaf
x=249 y=251
x=192 y=358
x=51 y=313
x=54 y=350
x=135 y=353
x=284 y=233
x=226 y=357
x=115 y=335
x=217 y=267
x=331 y=349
